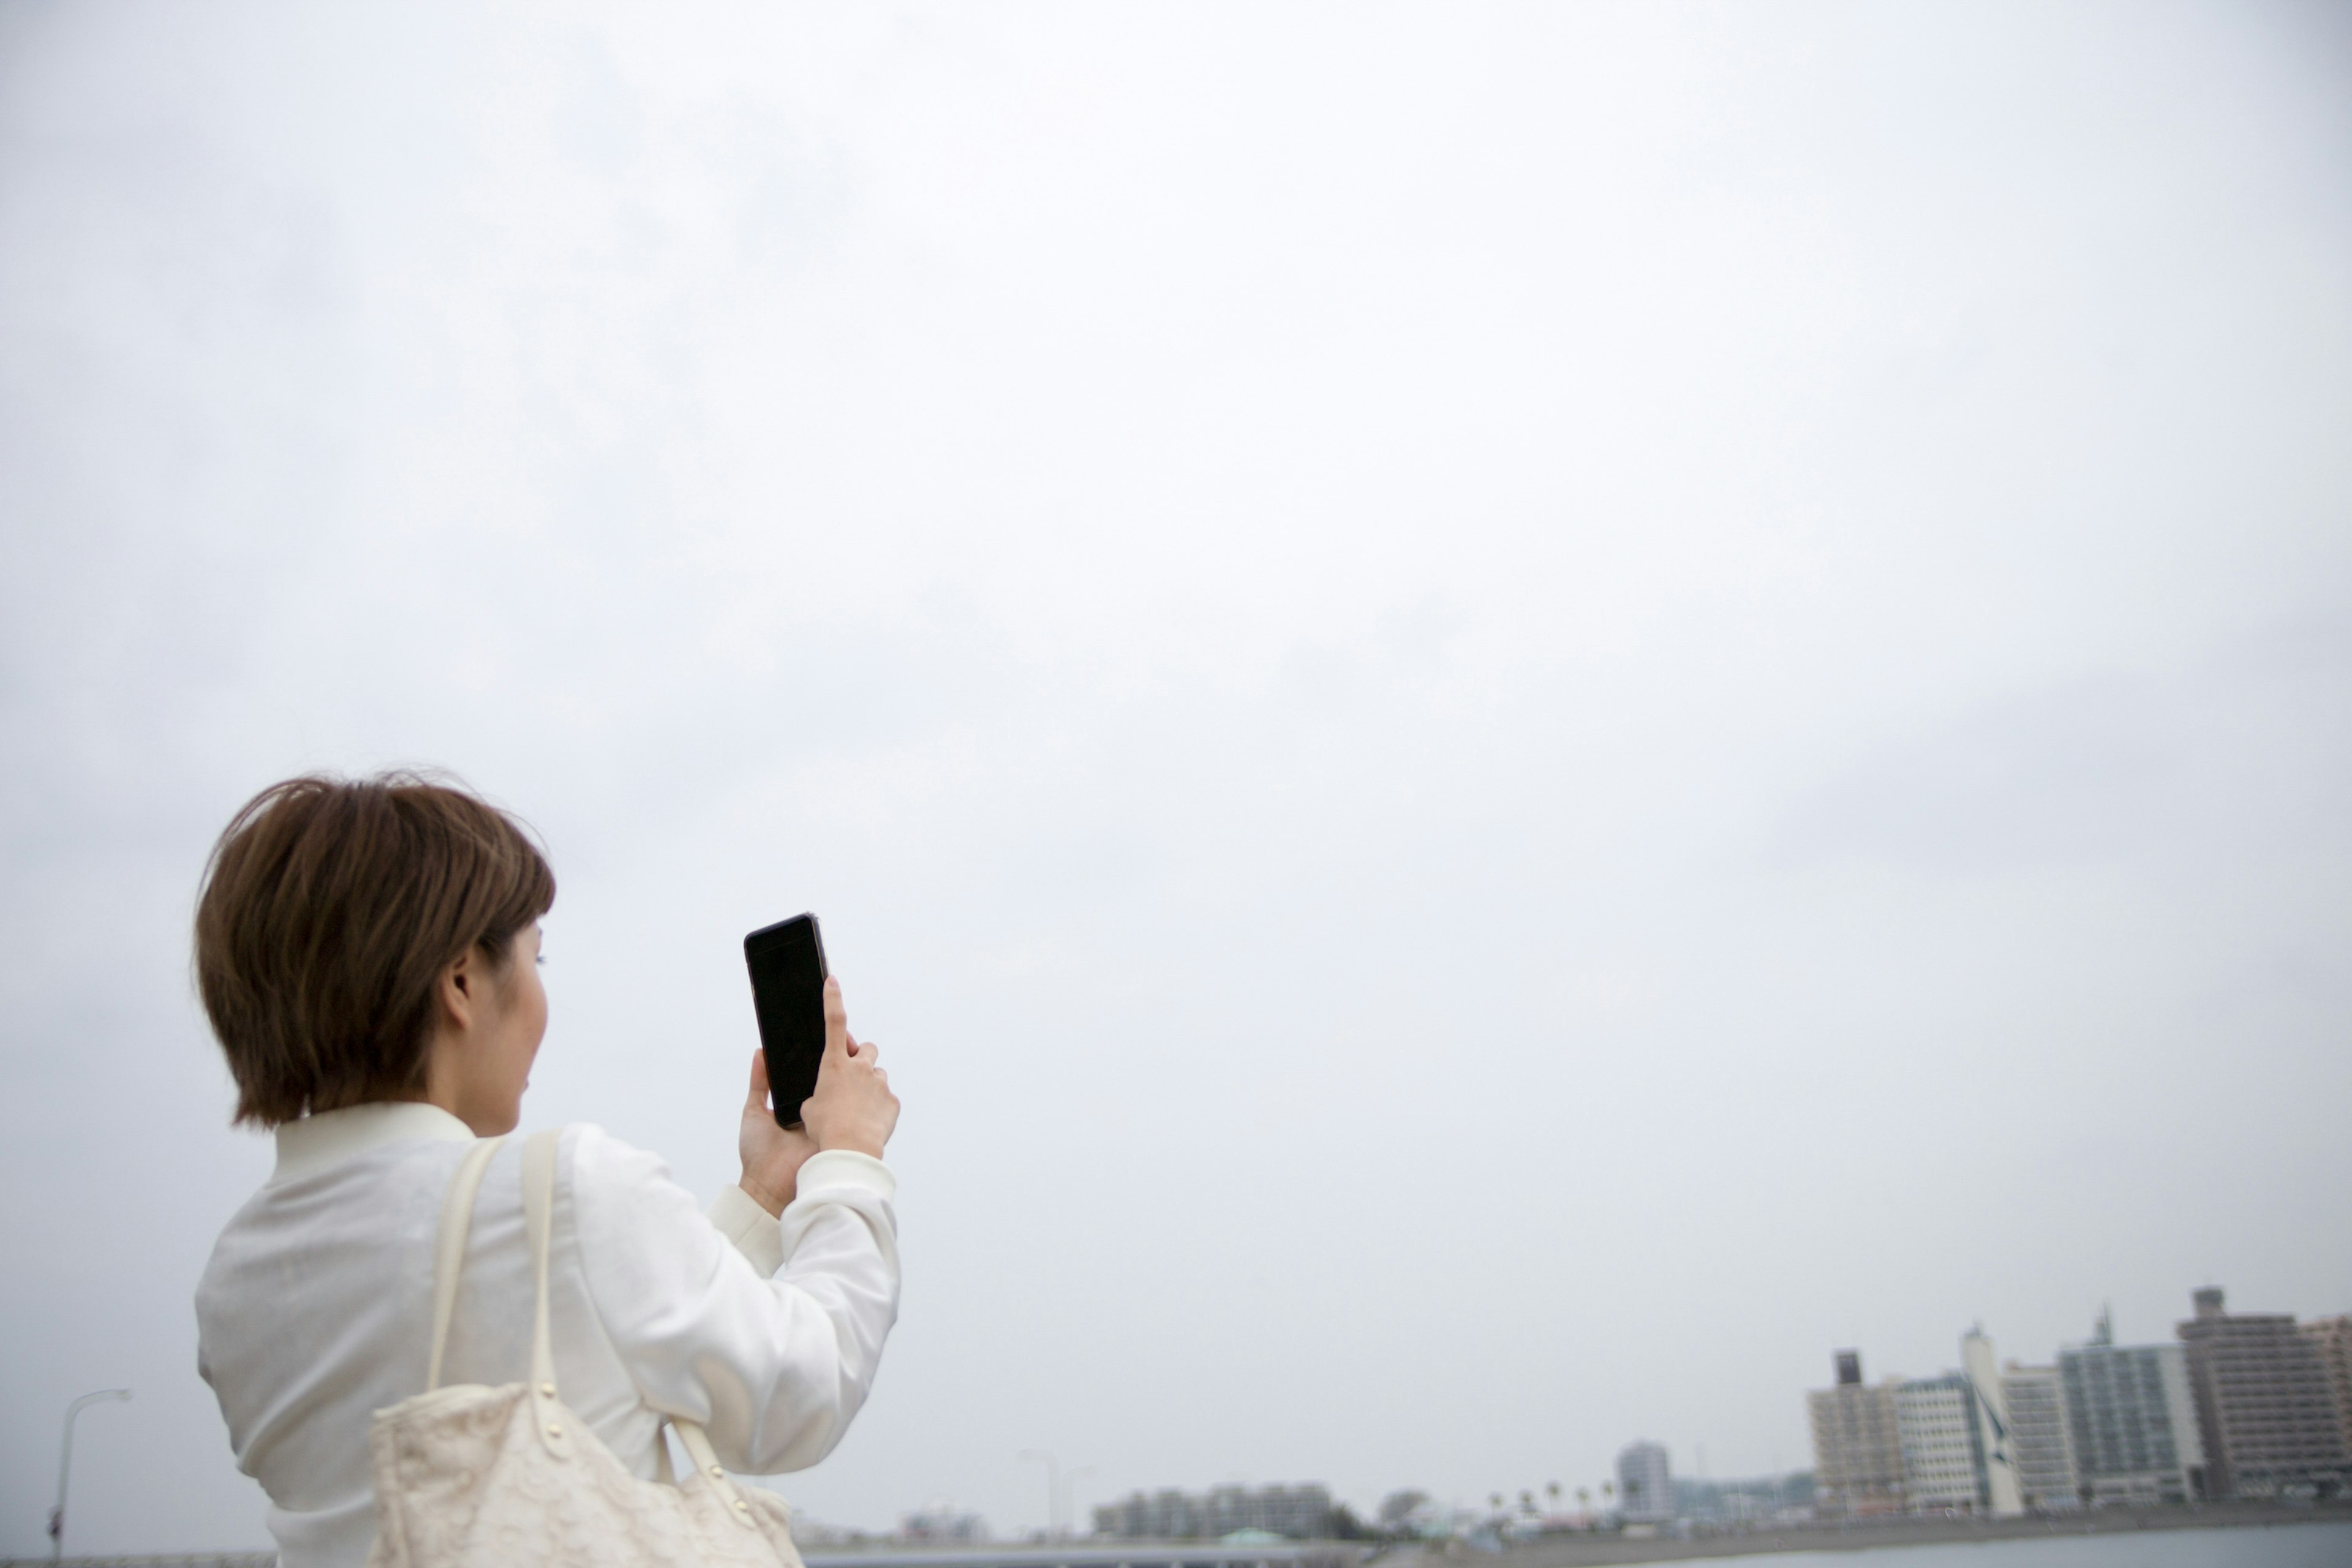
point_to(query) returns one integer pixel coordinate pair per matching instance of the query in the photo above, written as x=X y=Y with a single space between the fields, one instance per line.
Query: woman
x=368 y=955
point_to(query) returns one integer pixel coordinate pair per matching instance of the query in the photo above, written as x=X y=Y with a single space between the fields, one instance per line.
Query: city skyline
x=2046 y=1458
x=2235 y=1406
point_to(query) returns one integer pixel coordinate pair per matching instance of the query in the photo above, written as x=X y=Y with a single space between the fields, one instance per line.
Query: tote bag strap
x=449 y=1245
x=538 y=1214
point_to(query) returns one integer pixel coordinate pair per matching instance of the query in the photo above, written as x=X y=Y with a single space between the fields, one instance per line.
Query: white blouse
x=316 y=1308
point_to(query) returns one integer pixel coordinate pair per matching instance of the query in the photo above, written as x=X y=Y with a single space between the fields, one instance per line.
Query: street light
x=1053 y=1490
x=65 y=1466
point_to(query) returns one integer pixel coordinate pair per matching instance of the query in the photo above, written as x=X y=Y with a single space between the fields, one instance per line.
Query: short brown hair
x=330 y=909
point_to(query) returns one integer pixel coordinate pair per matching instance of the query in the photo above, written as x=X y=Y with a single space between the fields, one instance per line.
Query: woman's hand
x=853 y=1107
x=773 y=1155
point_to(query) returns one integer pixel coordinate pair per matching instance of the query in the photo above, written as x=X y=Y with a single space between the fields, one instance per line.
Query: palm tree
x=1494 y=1501
x=1551 y=1490
x=1584 y=1498
x=1527 y=1500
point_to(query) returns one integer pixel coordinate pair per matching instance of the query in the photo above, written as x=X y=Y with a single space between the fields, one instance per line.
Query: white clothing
x=316 y=1307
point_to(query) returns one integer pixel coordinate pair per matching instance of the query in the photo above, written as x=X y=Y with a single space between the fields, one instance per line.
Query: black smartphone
x=787 y=965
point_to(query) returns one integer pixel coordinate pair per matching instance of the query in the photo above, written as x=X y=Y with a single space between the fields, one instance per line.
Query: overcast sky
x=1511 y=716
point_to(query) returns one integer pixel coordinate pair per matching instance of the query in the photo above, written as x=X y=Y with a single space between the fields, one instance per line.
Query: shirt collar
x=330 y=1137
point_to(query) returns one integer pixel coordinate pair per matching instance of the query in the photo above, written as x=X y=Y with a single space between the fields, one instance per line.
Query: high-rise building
x=2332 y=1339
x=1646 y=1484
x=1988 y=1407
x=1958 y=1453
x=1943 y=1468
x=1857 y=1453
x=2131 y=1421
x=2037 y=1427
x=2265 y=1404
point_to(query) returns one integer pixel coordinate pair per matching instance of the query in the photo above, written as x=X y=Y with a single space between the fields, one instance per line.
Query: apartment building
x=2036 y=1398
x=2332 y=1337
x=1943 y=1466
x=2265 y=1403
x=1857 y=1451
x=1646 y=1484
x=2131 y=1421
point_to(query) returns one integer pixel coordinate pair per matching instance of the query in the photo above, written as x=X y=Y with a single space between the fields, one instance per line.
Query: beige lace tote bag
x=474 y=1476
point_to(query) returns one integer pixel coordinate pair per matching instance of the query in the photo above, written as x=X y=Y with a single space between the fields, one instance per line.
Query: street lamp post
x=65 y=1465
x=1053 y=1490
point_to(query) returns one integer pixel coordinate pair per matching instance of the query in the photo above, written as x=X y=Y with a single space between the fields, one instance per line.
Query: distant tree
x=1584 y=1498
x=1397 y=1510
x=1527 y=1500
x=1551 y=1490
x=1346 y=1526
x=1608 y=1490
x=1494 y=1501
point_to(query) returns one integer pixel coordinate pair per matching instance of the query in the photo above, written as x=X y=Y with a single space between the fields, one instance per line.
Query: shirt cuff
x=752 y=1230
x=845 y=1168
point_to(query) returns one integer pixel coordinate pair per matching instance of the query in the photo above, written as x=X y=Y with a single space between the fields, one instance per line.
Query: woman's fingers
x=758 y=1099
x=837 y=1042
x=853 y=1107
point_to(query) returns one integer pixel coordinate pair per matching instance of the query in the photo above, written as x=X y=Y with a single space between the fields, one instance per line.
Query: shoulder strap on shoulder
x=449 y=1245
x=539 y=1214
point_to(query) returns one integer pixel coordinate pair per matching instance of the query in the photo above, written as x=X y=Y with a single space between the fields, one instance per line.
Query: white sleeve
x=774 y=1369
x=752 y=1230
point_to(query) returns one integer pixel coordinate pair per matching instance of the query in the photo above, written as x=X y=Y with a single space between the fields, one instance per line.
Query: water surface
x=2243 y=1546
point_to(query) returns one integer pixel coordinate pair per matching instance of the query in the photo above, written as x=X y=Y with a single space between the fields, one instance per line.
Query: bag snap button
x=553 y=1430
x=548 y=1389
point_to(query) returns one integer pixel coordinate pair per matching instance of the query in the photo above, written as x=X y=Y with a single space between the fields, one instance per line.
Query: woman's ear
x=460 y=993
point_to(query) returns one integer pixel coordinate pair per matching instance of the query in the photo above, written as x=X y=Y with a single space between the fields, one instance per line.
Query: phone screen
x=787 y=965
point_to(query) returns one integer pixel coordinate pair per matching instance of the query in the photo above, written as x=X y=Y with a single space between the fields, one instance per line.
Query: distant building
x=1164 y=1515
x=2037 y=1425
x=1996 y=1445
x=2332 y=1339
x=1857 y=1454
x=2265 y=1403
x=943 y=1521
x=1943 y=1466
x=1302 y=1514
x=1646 y=1484
x=810 y=1533
x=1753 y=1500
x=2131 y=1421
x=1958 y=1453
